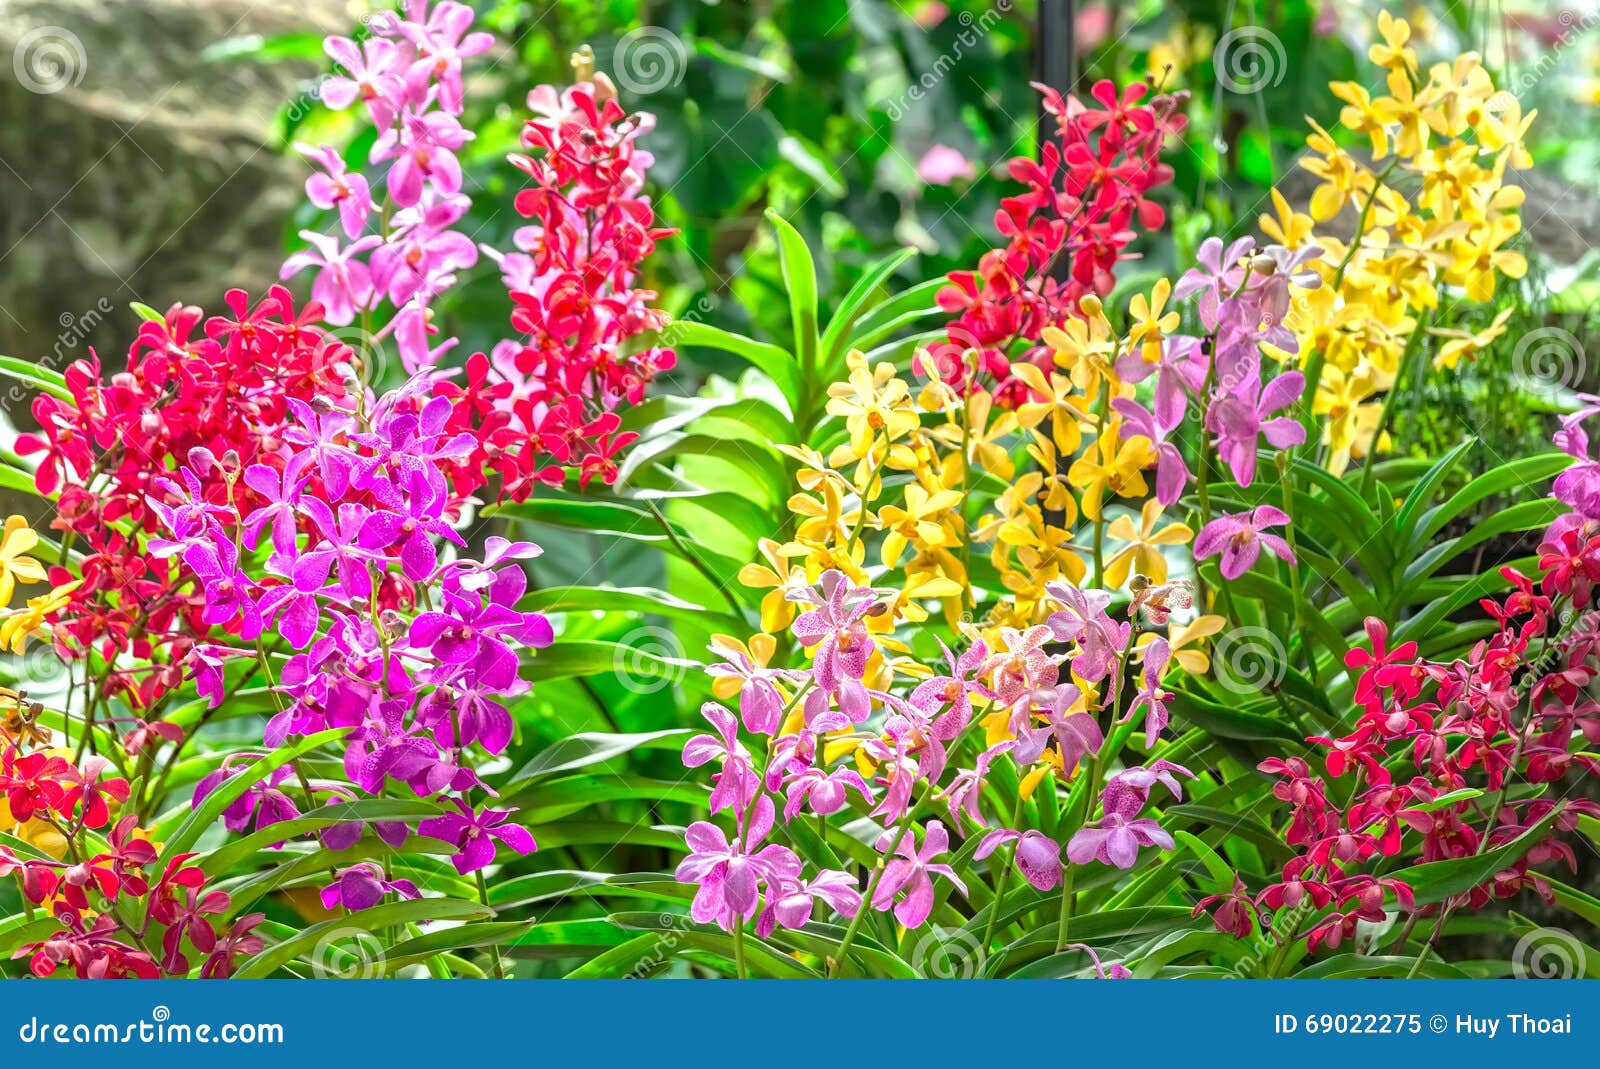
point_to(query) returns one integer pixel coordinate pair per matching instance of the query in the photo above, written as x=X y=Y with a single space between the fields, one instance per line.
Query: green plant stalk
x=1005 y=878
x=739 y=967
x=1096 y=770
x=494 y=949
x=1411 y=355
x=1295 y=588
x=693 y=558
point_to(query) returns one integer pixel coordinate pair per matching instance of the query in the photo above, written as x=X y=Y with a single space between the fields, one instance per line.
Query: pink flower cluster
x=550 y=401
x=904 y=744
x=408 y=76
x=222 y=385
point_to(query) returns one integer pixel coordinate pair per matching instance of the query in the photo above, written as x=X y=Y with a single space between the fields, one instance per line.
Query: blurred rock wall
x=130 y=169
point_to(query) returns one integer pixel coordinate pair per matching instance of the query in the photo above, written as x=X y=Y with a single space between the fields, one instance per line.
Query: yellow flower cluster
x=1432 y=210
x=953 y=502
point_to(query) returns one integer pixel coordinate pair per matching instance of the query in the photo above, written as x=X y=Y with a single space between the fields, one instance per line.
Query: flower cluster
x=123 y=908
x=408 y=75
x=551 y=401
x=1090 y=185
x=1449 y=222
x=409 y=653
x=1434 y=756
x=832 y=739
x=221 y=385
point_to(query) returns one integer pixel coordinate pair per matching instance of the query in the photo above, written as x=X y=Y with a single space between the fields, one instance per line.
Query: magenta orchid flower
x=909 y=875
x=474 y=835
x=1038 y=857
x=1237 y=418
x=1239 y=538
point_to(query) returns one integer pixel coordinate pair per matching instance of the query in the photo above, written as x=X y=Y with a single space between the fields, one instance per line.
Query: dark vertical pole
x=1054 y=65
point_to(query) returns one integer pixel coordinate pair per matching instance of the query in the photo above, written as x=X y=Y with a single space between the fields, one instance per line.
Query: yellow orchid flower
x=1142 y=552
x=1111 y=464
x=1150 y=326
x=17 y=539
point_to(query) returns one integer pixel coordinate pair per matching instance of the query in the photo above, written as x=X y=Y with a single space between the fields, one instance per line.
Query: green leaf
x=618 y=599
x=775 y=363
x=209 y=812
x=591 y=748
x=851 y=308
x=375 y=919
x=590 y=657
x=1220 y=871
x=36 y=376
x=800 y=277
x=1230 y=723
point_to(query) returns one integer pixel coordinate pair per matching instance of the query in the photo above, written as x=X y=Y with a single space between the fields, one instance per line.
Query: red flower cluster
x=550 y=402
x=1510 y=712
x=1083 y=194
x=49 y=788
x=219 y=385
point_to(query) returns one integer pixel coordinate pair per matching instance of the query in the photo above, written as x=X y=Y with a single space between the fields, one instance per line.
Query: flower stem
x=483 y=896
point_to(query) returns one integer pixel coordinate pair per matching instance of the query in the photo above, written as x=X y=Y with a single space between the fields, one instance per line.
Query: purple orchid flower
x=1038 y=857
x=1218 y=275
x=362 y=887
x=909 y=875
x=1237 y=418
x=1239 y=538
x=730 y=873
x=953 y=692
x=791 y=904
x=841 y=640
x=1151 y=696
x=473 y=834
x=1172 y=473
x=737 y=783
